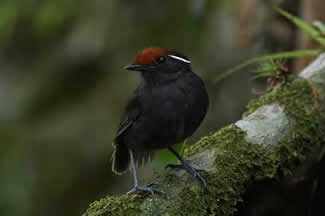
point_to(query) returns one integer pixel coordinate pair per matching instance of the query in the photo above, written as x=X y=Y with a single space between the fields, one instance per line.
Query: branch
x=281 y=131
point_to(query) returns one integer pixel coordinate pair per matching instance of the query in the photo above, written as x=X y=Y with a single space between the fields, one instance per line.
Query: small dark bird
x=167 y=107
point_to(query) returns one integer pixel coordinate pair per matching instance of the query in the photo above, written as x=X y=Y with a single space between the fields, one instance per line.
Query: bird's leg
x=185 y=164
x=137 y=187
x=181 y=166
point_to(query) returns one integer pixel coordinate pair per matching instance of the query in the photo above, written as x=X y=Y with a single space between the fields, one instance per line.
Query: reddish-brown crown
x=149 y=55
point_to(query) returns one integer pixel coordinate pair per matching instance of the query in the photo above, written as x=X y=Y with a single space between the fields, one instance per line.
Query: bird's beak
x=135 y=67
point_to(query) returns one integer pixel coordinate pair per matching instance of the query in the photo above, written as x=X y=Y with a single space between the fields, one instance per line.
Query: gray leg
x=186 y=165
x=137 y=187
x=134 y=168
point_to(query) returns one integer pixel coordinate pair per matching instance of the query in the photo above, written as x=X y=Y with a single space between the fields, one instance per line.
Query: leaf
x=311 y=31
x=281 y=55
x=320 y=26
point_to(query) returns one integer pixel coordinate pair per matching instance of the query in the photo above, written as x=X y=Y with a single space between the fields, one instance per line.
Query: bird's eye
x=161 y=59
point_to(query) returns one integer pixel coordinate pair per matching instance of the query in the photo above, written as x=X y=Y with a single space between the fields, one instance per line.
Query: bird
x=167 y=107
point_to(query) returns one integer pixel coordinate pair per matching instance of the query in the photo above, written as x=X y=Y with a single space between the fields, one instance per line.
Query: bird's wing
x=132 y=113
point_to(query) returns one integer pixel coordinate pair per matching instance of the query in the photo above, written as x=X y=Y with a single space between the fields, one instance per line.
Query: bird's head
x=160 y=63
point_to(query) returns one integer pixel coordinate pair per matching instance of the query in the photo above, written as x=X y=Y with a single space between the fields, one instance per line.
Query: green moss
x=237 y=163
x=115 y=205
x=301 y=105
x=294 y=92
x=226 y=135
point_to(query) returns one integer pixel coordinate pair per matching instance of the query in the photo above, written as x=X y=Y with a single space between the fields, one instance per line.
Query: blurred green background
x=63 y=87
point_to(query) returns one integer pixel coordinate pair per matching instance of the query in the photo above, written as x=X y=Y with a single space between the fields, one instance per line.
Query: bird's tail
x=121 y=159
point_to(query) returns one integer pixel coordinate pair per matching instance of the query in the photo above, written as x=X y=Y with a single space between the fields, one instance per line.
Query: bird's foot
x=150 y=188
x=194 y=172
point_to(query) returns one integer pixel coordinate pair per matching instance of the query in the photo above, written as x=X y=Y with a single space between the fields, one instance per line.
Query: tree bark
x=264 y=164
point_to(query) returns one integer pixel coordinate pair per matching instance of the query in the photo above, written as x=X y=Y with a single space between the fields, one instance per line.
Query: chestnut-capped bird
x=167 y=107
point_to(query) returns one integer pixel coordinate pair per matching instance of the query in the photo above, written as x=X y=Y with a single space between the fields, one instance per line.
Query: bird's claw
x=194 y=172
x=150 y=188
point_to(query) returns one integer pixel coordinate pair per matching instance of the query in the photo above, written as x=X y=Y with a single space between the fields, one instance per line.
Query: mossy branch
x=279 y=134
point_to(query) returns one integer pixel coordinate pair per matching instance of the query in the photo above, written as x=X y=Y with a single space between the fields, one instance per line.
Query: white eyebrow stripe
x=179 y=58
